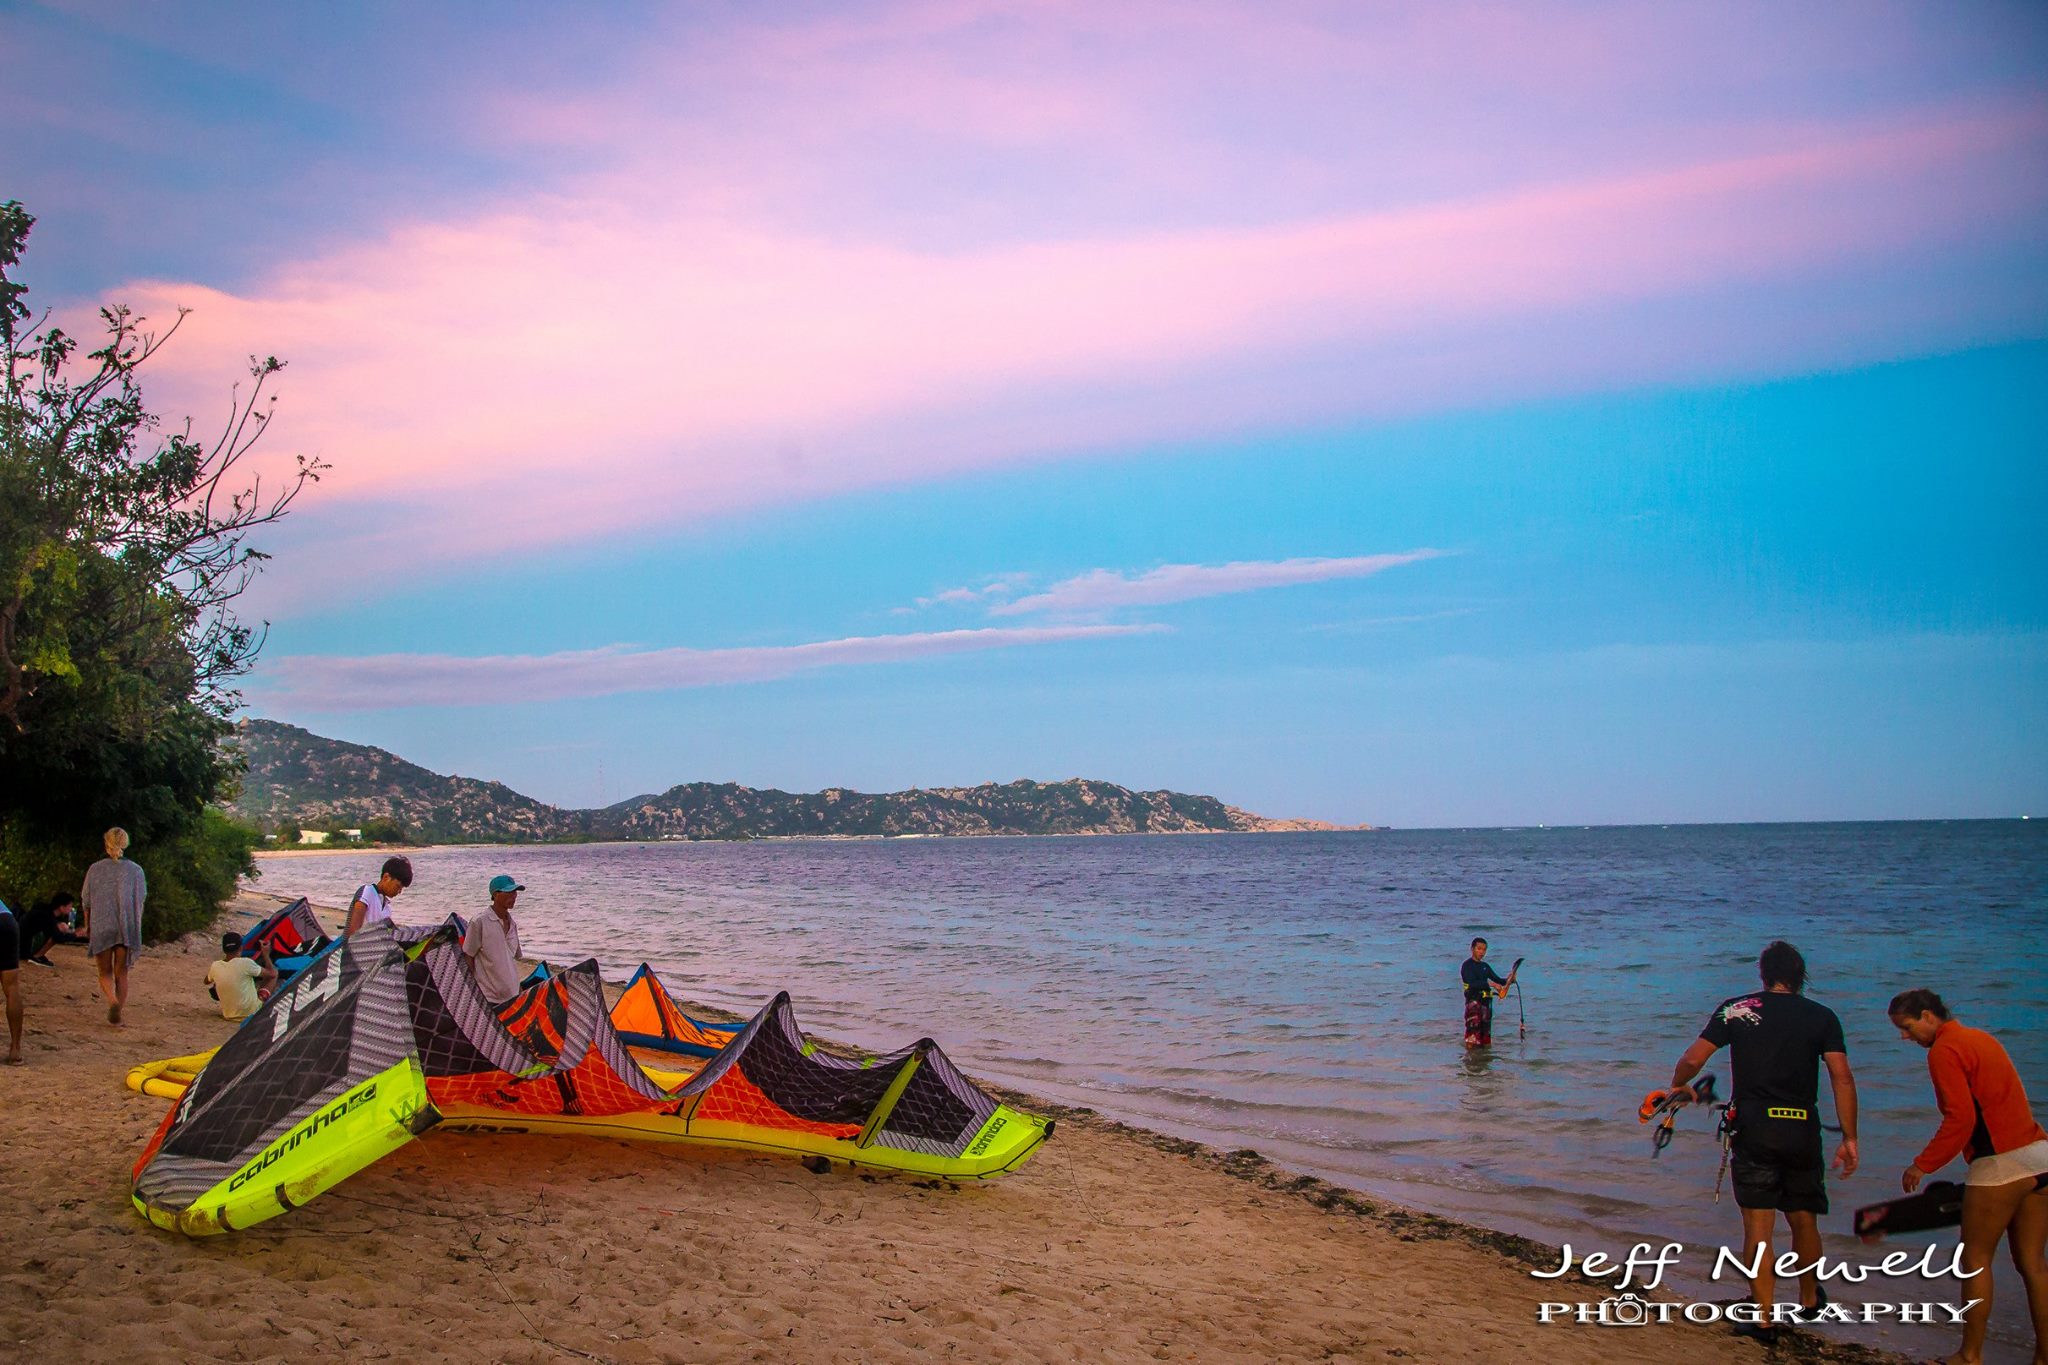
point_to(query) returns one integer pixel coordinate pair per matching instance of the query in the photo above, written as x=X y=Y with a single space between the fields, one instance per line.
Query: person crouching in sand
x=1985 y=1117
x=112 y=898
x=241 y=984
x=1778 y=1040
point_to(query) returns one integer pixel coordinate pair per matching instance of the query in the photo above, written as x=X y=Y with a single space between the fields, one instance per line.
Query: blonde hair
x=116 y=840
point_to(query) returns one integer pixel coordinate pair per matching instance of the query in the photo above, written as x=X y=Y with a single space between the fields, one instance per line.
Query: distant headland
x=300 y=781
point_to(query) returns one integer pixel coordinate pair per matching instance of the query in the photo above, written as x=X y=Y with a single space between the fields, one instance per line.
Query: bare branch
x=78 y=470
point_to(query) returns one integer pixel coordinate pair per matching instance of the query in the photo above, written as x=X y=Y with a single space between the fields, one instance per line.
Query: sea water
x=1298 y=993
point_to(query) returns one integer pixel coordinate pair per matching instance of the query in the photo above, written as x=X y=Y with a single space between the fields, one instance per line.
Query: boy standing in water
x=1778 y=1040
x=1482 y=985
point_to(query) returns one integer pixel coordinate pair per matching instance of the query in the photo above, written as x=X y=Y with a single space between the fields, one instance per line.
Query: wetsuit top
x=1983 y=1104
x=1776 y=1041
x=1478 y=975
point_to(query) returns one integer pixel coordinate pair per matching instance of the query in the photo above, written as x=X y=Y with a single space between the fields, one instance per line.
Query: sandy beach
x=1113 y=1244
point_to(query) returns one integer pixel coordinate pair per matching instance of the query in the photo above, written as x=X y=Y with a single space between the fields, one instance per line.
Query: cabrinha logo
x=995 y=1125
x=1645 y=1268
x=340 y=1110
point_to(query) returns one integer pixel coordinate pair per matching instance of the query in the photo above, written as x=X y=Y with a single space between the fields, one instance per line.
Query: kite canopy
x=646 y=1016
x=379 y=1040
x=320 y=1082
x=291 y=932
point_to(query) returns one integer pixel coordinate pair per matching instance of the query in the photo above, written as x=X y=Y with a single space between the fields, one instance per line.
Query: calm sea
x=1298 y=993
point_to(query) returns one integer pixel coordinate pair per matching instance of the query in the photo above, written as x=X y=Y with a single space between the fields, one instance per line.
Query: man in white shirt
x=492 y=944
x=241 y=984
x=372 y=903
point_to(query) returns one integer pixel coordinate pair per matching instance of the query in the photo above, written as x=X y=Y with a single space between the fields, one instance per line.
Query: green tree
x=122 y=550
x=383 y=830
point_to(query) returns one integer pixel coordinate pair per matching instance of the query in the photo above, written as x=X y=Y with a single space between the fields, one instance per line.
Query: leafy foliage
x=80 y=484
x=383 y=831
x=121 y=553
x=190 y=876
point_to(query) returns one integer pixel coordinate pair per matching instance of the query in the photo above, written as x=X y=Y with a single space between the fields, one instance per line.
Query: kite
x=385 y=1036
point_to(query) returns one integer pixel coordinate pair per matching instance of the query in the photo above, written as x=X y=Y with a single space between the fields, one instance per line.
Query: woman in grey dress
x=112 y=897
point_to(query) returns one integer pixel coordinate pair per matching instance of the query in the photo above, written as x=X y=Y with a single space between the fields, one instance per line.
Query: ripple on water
x=1116 y=972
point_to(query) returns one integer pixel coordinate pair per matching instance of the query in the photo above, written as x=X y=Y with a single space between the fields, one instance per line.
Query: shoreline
x=301 y=850
x=1081 y=1232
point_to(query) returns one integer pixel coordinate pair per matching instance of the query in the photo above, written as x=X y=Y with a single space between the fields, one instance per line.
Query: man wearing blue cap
x=492 y=944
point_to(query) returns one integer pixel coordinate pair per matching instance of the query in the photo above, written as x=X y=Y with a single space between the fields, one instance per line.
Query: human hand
x=1845 y=1157
x=1909 y=1181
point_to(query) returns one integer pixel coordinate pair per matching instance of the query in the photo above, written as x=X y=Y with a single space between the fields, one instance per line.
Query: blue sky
x=1641 y=437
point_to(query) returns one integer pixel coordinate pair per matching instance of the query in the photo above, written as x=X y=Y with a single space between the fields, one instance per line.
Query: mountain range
x=298 y=778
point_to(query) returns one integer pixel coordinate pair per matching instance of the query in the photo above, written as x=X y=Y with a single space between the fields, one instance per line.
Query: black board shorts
x=10 y=944
x=1791 y=1177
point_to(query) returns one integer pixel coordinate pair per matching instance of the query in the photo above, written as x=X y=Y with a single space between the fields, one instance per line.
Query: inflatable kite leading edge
x=379 y=1039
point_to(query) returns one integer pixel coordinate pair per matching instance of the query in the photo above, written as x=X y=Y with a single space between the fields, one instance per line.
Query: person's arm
x=1844 y=1082
x=473 y=937
x=1958 y=1116
x=357 y=913
x=1689 y=1065
x=266 y=974
x=85 y=906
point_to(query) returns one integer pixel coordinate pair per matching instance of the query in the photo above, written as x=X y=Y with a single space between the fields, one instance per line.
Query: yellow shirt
x=234 y=981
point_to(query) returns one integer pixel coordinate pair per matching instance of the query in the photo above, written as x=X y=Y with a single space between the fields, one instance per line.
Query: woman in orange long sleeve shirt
x=1985 y=1117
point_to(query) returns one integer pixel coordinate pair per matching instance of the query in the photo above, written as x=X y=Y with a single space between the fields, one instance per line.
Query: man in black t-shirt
x=1482 y=984
x=1778 y=1040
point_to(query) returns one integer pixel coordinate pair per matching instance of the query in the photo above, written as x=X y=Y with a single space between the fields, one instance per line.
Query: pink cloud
x=989 y=589
x=383 y=682
x=706 y=315
x=1105 y=589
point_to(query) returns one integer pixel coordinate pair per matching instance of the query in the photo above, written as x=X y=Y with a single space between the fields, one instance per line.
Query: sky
x=1433 y=414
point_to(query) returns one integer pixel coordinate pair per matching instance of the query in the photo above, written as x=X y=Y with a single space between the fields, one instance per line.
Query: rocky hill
x=704 y=810
x=301 y=778
x=298 y=777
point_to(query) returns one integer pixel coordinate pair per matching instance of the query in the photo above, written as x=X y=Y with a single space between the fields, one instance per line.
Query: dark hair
x=399 y=867
x=1477 y=941
x=62 y=899
x=231 y=942
x=1781 y=965
x=1912 y=1004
